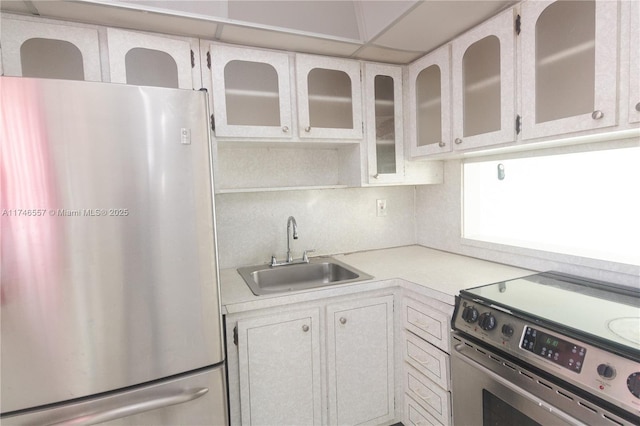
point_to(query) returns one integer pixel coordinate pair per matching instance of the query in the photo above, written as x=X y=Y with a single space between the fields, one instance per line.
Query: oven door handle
x=459 y=348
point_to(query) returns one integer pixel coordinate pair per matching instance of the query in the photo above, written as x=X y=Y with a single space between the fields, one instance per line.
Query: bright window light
x=585 y=204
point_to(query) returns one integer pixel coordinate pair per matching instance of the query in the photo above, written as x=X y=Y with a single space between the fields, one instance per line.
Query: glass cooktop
x=609 y=314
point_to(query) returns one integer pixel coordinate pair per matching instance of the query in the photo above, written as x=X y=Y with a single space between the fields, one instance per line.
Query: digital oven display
x=551 y=348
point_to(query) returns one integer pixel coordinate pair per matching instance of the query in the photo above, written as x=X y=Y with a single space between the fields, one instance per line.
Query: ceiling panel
x=376 y=16
x=332 y=18
x=433 y=23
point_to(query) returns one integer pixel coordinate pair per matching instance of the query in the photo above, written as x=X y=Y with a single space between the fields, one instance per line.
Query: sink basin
x=319 y=272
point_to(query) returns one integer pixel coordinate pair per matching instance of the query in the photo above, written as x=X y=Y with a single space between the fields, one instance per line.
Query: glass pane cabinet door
x=149 y=60
x=42 y=50
x=383 y=98
x=569 y=57
x=483 y=84
x=47 y=58
x=251 y=93
x=481 y=87
x=138 y=61
x=429 y=91
x=329 y=98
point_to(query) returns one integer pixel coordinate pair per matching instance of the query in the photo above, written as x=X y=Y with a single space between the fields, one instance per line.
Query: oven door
x=489 y=390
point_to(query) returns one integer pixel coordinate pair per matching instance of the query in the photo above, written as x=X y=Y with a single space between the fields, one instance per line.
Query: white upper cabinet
x=43 y=50
x=430 y=92
x=329 y=98
x=251 y=92
x=634 y=63
x=151 y=60
x=384 y=127
x=483 y=69
x=569 y=66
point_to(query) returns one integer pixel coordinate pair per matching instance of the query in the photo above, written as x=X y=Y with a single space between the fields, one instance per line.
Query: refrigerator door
x=108 y=273
x=192 y=399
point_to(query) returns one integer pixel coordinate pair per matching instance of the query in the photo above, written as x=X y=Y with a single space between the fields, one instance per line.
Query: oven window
x=496 y=412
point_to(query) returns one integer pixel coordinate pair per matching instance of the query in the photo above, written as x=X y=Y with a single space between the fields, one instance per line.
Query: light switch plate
x=381 y=207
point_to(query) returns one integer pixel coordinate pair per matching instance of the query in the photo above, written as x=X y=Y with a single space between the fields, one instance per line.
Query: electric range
x=580 y=336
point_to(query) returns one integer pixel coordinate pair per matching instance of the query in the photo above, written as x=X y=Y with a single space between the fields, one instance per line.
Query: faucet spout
x=291 y=222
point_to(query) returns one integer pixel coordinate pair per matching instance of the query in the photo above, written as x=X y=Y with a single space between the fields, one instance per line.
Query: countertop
x=440 y=275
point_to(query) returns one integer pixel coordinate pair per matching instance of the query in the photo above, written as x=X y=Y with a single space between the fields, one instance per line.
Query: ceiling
x=397 y=31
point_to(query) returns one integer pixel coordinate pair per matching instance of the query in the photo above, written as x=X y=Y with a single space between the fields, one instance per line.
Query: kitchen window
x=584 y=204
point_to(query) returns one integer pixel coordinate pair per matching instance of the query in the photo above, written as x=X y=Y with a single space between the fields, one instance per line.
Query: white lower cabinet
x=279 y=366
x=426 y=368
x=360 y=361
x=323 y=362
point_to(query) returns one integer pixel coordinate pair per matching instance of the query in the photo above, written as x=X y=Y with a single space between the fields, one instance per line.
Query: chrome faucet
x=291 y=221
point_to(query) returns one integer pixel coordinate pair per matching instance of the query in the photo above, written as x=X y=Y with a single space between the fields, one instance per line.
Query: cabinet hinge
x=518 y=24
x=213 y=124
x=209 y=60
x=518 y=124
x=193 y=59
x=235 y=335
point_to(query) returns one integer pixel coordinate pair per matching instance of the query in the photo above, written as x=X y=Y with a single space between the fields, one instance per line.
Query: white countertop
x=442 y=275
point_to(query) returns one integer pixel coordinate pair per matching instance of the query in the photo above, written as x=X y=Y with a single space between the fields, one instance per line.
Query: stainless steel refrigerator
x=109 y=300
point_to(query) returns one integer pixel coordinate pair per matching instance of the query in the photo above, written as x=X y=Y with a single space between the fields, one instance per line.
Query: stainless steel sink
x=319 y=272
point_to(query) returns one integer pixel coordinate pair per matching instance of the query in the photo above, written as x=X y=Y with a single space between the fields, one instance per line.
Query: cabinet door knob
x=638 y=107
x=343 y=320
x=305 y=328
x=307 y=129
x=285 y=129
x=597 y=114
x=458 y=141
x=442 y=144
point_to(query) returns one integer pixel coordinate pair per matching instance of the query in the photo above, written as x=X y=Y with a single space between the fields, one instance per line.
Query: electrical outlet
x=381 y=207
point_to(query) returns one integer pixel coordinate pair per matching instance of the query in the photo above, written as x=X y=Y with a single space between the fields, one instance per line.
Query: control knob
x=606 y=371
x=633 y=383
x=508 y=330
x=470 y=314
x=487 y=321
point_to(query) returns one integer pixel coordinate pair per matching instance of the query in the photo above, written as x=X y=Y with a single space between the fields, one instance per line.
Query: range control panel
x=553 y=348
x=602 y=373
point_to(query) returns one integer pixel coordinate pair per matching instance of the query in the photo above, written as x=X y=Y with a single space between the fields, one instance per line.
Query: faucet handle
x=274 y=262
x=305 y=257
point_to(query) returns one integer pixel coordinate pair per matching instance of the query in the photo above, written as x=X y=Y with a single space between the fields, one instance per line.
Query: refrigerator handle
x=135 y=408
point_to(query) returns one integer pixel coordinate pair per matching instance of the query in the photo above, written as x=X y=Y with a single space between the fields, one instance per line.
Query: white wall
x=252 y=226
x=438 y=222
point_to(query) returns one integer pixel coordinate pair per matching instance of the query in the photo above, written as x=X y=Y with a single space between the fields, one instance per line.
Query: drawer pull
x=426 y=362
x=422 y=324
x=425 y=397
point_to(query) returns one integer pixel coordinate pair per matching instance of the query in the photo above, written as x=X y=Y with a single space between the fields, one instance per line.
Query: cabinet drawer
x=430 y=396
x=415 y=415
x=427 y=323
x=427 y=359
